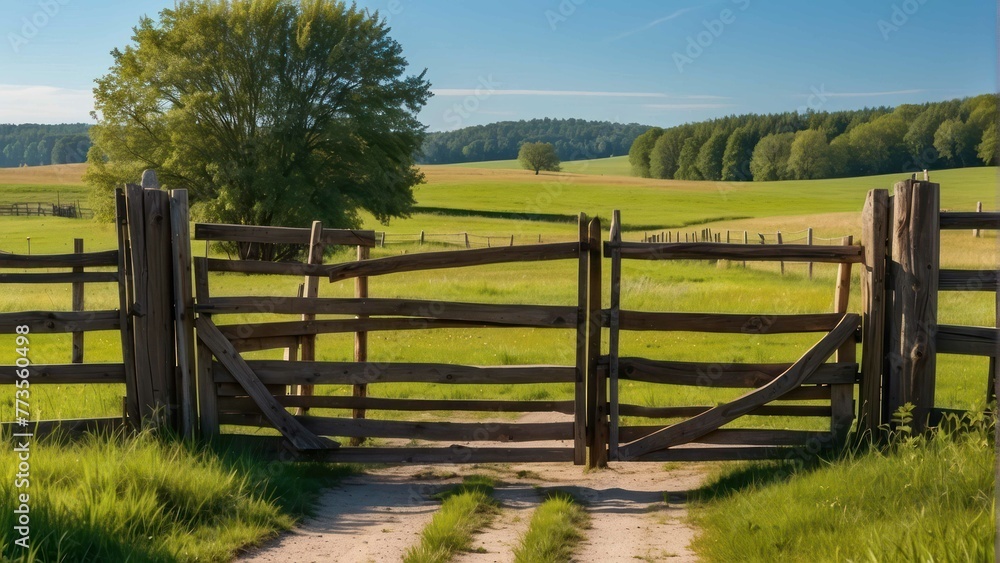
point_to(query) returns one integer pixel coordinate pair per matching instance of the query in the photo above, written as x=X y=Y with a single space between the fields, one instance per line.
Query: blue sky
x=658 y=63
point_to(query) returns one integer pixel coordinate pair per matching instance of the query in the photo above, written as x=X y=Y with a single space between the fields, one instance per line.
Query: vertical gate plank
x=180 y=231
x=78 y=305
x=842 y=395
x=125 y=317
x=159 y=315
x=875 y=233
x=140 y=296
x=311 y=290
x=360 y=341
x=580 y=389
x=596 y=384
x=613 y=332
x=208 y=393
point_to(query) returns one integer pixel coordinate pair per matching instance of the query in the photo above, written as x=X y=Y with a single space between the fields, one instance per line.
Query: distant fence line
x=46 y=209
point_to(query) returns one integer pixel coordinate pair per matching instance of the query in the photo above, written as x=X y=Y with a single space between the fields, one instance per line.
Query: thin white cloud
x=867 y=94
x=687 y=106
x=44 y=104
x=484 y=92
x=651 y=24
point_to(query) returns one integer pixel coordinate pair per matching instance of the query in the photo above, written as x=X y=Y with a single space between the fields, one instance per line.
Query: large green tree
x=710 y=156
x=638 y=154
x=739 y=151
x=809 y=156
x=770 y=157
x=271 y=112
x=538 y=156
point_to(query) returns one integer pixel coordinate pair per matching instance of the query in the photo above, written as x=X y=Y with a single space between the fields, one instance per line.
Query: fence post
x=613 y=333
x=915 y=270
x=875 y=236
x=581 y=440
x=782 y=262
x=421 y=237
x=746 y=240
x=597 y=420
x=979 y=209
x=125 y=309
x=77 y=354
x=809 y=241
x=180 y=231
x=842 y=395
x=360 y=390
x=307 y=344
x=466 y=240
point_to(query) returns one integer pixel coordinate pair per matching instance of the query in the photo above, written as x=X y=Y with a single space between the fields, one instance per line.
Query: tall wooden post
x=809 y=241
x=597 y=415
x=580 y=404
x=782 y=262
x=614 y=320
x=842 y=395
x=78 y=305
x=915 y=270
x=875 y=220
x=360 y=390
x=180 y=230
x=307 y=343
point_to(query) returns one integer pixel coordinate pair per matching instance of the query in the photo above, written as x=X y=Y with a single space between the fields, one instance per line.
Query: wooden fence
x=45 y=209
x=699 y=436
x=199 y=382
x=240 y=392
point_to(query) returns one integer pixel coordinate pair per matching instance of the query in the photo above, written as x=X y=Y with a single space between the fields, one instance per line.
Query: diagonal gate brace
x=290 y=428
x=712 y=419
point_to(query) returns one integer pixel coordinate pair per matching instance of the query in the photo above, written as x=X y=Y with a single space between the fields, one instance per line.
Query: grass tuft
x=553 y=532
x=465 y=508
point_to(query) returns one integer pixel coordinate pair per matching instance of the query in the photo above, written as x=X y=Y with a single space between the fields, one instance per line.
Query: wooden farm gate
x=236 y=391
x=699 y=435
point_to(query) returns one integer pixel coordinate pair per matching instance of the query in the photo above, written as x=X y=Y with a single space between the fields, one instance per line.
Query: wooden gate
x=235 y=391
x=699 y=435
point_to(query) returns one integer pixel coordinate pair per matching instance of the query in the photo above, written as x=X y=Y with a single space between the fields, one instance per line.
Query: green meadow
x=497 y=201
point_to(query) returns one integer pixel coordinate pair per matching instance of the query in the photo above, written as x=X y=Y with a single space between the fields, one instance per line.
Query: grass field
x=501 y=198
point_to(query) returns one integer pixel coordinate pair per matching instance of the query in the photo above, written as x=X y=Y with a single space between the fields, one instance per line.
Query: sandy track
x=377 y=516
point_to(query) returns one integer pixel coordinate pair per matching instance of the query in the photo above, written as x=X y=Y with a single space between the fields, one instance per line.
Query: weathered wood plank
x=280 y=235
x=208 y=398
x=968 y=280
x=740 y=437
x=69 y=374
x=962 y=220
x=278 y=372
x=615 y=325
x=425 y=430
x=310 y=290
x=60 y=277
x=78 y=305
x=708 y=374
x=360 y=340
x=970 y=340
x=728 y=323
x=140 y=304
x=698 y=426
x=56 y=322
x=404 y=263
x=183 y=309
x=842 y=395
x=719 y=251
x=289 y=427
x=541 y=316
x=265 y=445
x=732 y=453
x=916 y=255
x=364 y=325
x=127 y=336
x=159 y=316
x=688 y=412
x=582 y=327
x=246 y=405
x=597 y=404
x=875 y=220
x=85 y=260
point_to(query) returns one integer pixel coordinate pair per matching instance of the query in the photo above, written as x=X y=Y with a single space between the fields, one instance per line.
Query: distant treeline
x=791 y=146
x=574 y=139
x=37 y=145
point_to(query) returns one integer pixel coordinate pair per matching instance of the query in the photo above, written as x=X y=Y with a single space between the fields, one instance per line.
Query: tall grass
x=466 y=508
x=554 y=531
x=923 y=499
x=146 y=498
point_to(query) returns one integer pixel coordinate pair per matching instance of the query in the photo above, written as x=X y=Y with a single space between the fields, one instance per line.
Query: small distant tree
x=538 y=156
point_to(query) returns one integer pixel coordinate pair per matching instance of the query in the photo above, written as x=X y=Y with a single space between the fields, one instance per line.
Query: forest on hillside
x=38 y=145
x=573 y=139
x=798 y=146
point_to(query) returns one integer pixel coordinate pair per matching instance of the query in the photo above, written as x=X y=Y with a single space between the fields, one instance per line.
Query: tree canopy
x=40 y=145
x=538 y=156
x=879 y=140
x=271 y=112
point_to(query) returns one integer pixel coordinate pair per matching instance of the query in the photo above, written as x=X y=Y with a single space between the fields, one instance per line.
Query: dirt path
x=378 y=515
x=637 y=512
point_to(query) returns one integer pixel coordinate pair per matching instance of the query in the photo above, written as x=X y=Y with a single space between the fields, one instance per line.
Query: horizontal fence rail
x=722 y=251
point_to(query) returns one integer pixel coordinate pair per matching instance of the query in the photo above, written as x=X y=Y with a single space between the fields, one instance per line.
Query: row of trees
x=788 y=146
x=38 y=145
x=573 y=139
